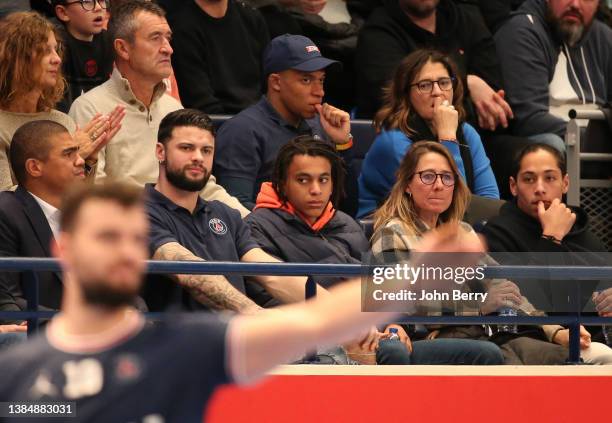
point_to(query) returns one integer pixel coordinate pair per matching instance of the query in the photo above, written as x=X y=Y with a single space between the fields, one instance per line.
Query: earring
x=161 y=162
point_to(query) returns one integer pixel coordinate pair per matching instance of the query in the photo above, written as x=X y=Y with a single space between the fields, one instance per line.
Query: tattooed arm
x=213 y=291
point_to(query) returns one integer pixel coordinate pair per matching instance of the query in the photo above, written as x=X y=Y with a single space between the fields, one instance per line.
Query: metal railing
x=30 y=266
x=575 y=156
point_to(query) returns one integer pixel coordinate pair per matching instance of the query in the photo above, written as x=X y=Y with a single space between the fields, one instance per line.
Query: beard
x=417 y=9
x=179 y=179
x=96 y=292
x=569 y=33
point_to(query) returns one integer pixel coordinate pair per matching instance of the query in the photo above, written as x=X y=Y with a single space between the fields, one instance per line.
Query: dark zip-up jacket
x=514 y=231
x=389 y=35
x=529 y=54
x=287 y=237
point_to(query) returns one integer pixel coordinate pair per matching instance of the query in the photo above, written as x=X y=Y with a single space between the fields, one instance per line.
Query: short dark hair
x=122 y=23
x=532 y=148
x=125 y=195
x=310 y=146
x=33 y=140
x=183 y=117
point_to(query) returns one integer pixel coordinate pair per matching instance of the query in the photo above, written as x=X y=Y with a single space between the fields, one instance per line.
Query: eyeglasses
x=429 y=177
x=90 y=5
x=426 y=86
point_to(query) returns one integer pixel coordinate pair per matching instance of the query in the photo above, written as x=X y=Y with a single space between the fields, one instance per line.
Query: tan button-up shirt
x=130 y=156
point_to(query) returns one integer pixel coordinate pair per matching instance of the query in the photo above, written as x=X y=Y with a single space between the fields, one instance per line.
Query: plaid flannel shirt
x=392 y=244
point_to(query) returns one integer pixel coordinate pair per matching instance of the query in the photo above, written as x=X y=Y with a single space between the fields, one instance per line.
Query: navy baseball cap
x=294 y=52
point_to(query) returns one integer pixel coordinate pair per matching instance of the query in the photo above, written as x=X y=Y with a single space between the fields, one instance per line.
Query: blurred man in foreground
x=100 y=349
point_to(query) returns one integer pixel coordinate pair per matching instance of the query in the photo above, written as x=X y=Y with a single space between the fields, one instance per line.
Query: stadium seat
x=367 y=226
x=218 y=120
x=481 y=209
x=363 y=135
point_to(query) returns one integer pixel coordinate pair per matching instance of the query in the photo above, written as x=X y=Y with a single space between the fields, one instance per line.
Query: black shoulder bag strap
x=466 y=156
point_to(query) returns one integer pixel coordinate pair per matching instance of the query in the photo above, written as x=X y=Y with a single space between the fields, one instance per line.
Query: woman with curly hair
x=31 y=84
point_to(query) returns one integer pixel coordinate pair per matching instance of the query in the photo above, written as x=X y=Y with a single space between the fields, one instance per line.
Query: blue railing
x=30 y=266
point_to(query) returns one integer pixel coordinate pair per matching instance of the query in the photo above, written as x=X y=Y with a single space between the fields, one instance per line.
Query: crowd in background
x=469 y=105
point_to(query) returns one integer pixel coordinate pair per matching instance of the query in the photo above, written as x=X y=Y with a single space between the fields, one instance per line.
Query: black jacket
x=389 y=35
x=25 y=232
x=515 y=231
x=288 y=238
x=531 y=60
x=217 y=62
x=86 y=64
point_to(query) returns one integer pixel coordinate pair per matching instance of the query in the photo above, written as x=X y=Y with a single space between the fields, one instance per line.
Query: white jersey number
x=83 y=378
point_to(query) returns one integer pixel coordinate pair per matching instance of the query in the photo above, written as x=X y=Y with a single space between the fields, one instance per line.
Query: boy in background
x=88 y=54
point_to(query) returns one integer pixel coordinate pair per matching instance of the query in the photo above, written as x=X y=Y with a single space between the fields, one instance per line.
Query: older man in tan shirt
x=141 y=39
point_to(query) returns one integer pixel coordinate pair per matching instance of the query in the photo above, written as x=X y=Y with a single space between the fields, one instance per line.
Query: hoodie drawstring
x=569 y=59
x=587 y=74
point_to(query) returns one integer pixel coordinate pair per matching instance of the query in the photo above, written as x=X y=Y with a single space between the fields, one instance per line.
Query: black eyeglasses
x=426 y=86
x=429 y=177
x=90 y=5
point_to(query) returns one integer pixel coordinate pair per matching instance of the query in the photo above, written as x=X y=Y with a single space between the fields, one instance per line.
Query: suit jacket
x=25 y=232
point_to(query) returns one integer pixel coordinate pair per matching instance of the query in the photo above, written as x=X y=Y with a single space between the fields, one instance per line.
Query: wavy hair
x=401 y=206
x=397 y=110
x=23 y=41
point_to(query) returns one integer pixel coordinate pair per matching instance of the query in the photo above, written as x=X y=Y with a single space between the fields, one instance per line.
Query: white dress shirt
x=51 y=213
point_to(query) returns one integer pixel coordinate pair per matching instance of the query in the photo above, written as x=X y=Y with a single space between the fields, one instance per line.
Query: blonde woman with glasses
x=428 y=193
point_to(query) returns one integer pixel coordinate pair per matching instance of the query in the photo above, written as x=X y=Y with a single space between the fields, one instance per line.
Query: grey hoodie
x=529 y=54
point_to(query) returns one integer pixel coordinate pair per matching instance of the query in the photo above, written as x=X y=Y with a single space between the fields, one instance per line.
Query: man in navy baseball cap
x=294 y=52
x=247 y=144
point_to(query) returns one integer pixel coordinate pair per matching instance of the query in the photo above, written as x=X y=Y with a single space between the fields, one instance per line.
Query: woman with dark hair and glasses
x=423 y=102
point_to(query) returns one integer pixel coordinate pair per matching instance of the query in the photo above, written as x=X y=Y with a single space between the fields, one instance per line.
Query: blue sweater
x=380 y=165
